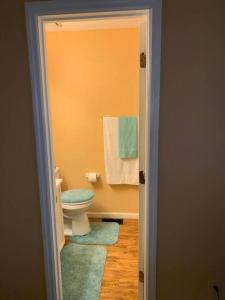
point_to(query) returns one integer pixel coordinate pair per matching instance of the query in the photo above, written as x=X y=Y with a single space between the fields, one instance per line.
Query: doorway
x=46 y=161
x=96 y=74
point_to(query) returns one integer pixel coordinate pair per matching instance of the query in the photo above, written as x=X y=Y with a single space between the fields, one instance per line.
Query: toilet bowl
x=75 y=204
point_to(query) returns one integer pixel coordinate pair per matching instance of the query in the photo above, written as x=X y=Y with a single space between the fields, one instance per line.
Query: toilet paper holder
x=97 y=174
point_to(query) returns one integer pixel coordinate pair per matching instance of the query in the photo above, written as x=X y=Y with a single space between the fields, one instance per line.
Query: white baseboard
x=113 y=215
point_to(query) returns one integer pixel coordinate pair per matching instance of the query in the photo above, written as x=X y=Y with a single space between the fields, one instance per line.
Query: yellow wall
x=91 y=74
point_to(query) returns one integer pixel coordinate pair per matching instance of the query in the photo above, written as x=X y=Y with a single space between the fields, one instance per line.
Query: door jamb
x=35 y=12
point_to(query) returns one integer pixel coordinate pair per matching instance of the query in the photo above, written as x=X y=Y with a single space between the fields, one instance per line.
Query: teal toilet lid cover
x=77 y=196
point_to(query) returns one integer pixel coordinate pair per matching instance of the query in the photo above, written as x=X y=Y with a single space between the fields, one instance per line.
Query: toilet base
x=79 y=225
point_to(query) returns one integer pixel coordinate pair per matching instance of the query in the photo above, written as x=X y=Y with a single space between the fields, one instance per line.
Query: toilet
x=75 y=203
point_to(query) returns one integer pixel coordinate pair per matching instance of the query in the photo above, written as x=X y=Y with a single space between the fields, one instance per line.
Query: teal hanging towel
x=128 y=137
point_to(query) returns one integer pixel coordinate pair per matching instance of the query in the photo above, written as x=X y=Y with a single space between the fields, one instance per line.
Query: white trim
x=113 y=215
x=144 y=93
x=36 y=14
x=44 y=161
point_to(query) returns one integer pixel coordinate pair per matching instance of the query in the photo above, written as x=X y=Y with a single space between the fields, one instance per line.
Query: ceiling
x=93 y=24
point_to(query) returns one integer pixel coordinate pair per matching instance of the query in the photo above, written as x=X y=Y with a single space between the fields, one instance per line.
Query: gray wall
x=21 y=259
x=191 y=219
x=191 y=239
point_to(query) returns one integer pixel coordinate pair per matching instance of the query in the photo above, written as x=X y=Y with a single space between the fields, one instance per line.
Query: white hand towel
x=118 y=171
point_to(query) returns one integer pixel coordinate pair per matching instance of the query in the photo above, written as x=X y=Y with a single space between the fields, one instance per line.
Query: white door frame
x=36 y=14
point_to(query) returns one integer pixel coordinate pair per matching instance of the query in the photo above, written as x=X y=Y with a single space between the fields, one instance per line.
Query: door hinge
x=141 y=276
x=143 y=60
x=141 y=177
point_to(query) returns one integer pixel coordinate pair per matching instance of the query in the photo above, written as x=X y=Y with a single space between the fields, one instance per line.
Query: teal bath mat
x=82 y=271
x=102 y=233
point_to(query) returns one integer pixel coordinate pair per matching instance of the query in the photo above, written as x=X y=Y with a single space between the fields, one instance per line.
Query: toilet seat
x=76 y=196
x=78 y=205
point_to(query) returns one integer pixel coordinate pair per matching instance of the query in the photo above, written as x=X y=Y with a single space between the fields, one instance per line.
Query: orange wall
x=91 y=74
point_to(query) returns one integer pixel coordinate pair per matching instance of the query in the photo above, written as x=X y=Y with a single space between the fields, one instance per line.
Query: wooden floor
x=120 y=279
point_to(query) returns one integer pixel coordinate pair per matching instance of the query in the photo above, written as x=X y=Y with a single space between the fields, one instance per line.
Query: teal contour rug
x=82 y=271
x=102 y=233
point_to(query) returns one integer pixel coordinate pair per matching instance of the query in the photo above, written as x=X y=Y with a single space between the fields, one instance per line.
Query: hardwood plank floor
x=120 y=281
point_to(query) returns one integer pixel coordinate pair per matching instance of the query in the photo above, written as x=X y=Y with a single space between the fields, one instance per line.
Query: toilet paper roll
x=91 y=177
